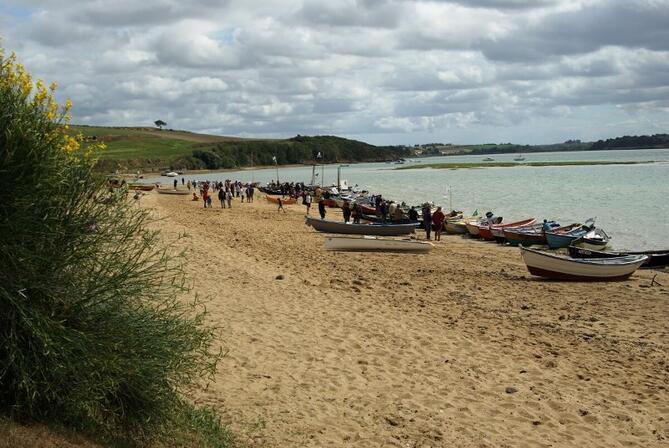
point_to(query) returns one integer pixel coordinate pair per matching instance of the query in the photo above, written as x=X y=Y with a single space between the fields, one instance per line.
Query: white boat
x=374 y=243
x=544 y=264
x=177 y=192
x=171 y=174
x=595 y=239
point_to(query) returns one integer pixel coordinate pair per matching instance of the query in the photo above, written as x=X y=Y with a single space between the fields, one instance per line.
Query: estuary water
x=631 y=202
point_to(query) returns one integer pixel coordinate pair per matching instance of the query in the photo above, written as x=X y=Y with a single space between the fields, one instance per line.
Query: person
x=346 y=210
x=188 y=185
x=281 y=206
x=307 y=202
x=357 y=213
x=438 y=221
x=205 y=196
x=427 y=220
x=221 y=197
x=175 y=184
x=209 y=201
x=183 y=181
x=321 y=208
x=383 y=209
x=228 y=196
x=413 y=214
x=242 y=194
x=195 y=198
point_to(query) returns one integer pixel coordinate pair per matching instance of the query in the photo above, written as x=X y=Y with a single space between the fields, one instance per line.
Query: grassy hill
x=151 y=149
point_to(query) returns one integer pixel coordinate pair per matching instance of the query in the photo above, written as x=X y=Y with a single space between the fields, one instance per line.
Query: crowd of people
x=225 y=191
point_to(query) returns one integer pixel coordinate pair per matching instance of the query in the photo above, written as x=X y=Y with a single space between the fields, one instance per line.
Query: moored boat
x=284 y=201
x=456 y=226
x=176 y=192
x=486 y=231
x=323 y=225
x=596 y=239
x=526 y=235
x=656 y=258
x=141 y=187
x=544 y=264
x=375 y=243
x=563 y=236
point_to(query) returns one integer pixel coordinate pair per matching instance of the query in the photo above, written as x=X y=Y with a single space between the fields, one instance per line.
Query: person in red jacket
x=438 y=221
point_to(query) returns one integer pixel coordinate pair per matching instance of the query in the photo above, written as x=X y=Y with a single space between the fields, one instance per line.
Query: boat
x=284 y=201
x=488 y=159
x=375 y=243
x=486 y=231
x=519 y=158
x=374 y=218
x=596 y=239
x=525 y=235
x=142 y=187
x=544 y=264
x=323 y=225
x=474 y=226
x=656 y=258
x=168 y=191
x=564 y=236
x=169 y=174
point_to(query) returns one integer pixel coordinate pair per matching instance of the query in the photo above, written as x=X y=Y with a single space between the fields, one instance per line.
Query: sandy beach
x=460 y=347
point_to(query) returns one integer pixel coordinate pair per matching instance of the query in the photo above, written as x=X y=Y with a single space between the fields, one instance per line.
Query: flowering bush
x=92 y=333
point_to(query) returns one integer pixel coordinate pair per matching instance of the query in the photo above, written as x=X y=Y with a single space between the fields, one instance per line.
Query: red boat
x=486 y=231
x=285 y=201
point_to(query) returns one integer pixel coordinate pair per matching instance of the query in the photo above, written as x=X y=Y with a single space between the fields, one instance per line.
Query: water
x=631 y=202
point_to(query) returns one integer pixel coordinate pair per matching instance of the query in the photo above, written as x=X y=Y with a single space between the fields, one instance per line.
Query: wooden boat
x=472 y=228
x=374 y=243
x=526 y=235
x=544 y=264
x=285 y=201
x=169 y=191
x=456 y=226
x=596 y=239
x=374 y=218
x=656 y=258
x=563 y=236
x=323 y=225
x=486 y=231
x=142 y=187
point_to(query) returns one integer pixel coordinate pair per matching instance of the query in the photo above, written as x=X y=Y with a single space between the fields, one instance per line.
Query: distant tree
x=160 y=124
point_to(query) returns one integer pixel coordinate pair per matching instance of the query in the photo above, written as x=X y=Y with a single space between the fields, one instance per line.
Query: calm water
x=631 y=202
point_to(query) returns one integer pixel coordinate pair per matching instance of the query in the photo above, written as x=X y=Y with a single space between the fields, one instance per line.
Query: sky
x=388 y=72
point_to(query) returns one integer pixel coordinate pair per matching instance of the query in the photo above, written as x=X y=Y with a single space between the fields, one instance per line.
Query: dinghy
x=596 y=239
x=487 y=232
x=177 y=192
x=544 y=264
x=284 y=201
x=656 y=258
x=374 y=243
x=323 y=225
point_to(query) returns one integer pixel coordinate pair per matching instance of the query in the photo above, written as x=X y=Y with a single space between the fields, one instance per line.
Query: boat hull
x=656 y=258
x=473 y=228
x=371 y=243
x=285 y=201
x=175 y=192
x=565 y=268
x=323 y=225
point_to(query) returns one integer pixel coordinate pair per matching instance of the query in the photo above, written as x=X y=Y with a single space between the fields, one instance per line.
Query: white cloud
x=386 y=71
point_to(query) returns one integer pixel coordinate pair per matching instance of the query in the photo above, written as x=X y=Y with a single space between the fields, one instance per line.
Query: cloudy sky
x=382 y=71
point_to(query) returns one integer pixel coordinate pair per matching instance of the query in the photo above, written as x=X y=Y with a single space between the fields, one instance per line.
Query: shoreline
x=458 y=347
x=476 y=165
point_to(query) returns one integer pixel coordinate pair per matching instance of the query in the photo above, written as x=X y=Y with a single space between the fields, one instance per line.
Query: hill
x=150 y=149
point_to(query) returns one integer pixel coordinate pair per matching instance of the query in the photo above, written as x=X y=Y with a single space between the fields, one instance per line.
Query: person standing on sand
x=221 y=197
x=427 y=220
x=346 y=210
x=175 y=184
x=228 y=196
x=357 y=212
x=188 y=185
x=281 y=206
x=438 y=220
x=307 y=201
x=413 y=214
x=321 y=208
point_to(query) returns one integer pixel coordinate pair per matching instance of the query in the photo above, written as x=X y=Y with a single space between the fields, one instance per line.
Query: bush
x=92 y=332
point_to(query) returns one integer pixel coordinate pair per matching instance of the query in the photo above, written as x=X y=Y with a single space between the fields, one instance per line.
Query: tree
x=160 y=124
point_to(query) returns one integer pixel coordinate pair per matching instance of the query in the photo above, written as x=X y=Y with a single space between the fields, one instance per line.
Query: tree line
x=296 y=150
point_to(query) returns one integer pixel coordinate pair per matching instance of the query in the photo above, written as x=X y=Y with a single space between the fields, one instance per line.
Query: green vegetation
x=94 y=332
x=456 y=166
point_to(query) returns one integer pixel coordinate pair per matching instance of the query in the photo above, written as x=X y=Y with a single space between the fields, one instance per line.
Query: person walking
x=280 y=206
x=357 y=212
x=228 y=196
x=221 y=197
x=321 y=208
x=427 y=220
x=438 y=220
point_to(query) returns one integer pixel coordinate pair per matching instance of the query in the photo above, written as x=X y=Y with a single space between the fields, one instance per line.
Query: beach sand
x=460 y=347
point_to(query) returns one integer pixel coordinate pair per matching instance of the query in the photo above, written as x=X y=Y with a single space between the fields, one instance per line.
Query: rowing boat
x=323 y=225
x=284 y=201
x=544 y=264
x=177 y=192
x=375 y=243
x=656 y=258
x=486 y=230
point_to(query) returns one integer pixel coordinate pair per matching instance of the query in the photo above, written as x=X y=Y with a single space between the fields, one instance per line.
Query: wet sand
x=460 y=347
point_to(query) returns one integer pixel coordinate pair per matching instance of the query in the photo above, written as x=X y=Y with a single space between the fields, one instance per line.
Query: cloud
x=385 y=71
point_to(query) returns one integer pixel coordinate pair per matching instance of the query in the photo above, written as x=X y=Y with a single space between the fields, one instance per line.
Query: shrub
x=93 y=334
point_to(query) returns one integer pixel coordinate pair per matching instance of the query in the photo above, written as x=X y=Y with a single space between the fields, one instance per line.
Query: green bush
x=93 y=333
